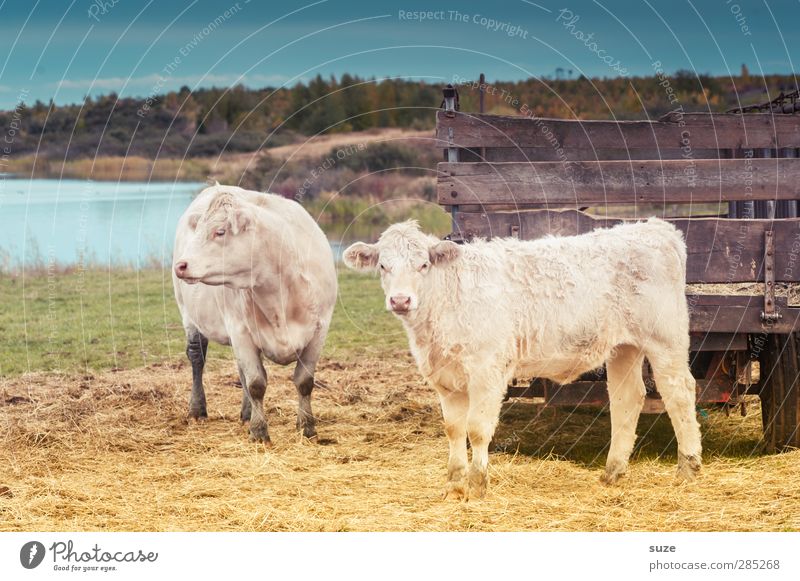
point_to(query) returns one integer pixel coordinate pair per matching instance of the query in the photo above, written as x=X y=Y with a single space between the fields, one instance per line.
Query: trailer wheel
x=780 y=392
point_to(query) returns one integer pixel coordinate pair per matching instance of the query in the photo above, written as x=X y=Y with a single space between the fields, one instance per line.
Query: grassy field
x=93 y=394
x=84 y=321
x=103 y=168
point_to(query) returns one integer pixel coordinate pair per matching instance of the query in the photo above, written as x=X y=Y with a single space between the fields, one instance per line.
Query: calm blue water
x=83 y=222
x=127 y=223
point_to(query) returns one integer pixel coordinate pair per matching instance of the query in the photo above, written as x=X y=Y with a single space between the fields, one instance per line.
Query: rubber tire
x=780 y=392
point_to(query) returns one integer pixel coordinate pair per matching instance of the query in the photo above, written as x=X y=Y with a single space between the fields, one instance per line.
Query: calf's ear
x=361 y=256
x=444 y=252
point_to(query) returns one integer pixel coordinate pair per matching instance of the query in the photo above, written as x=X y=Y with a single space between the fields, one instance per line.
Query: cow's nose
x=400 y=303
x=180 y=268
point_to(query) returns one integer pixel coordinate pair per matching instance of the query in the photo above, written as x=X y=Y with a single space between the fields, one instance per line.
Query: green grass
x=362 y=218
x=99 y=320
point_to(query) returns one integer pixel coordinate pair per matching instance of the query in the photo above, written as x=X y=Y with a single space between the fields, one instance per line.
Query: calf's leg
x=196 y=349
x=455 y=407
x=304 y=382
x=486 y=394
x=676 y=385
x=626 y=393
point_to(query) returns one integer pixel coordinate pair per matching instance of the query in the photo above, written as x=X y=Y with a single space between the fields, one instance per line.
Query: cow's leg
x=626 y=393
x=486 y=394
x=248 y=357
x=455 y=407
x=676 y=385
x=304 y=382
x=247 y=408
x=196 y=349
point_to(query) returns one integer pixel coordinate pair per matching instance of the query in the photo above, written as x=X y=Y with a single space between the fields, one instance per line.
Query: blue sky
x=67 y=49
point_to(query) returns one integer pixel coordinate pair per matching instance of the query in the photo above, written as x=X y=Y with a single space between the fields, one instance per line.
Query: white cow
x=268 y=287
x=479 y=314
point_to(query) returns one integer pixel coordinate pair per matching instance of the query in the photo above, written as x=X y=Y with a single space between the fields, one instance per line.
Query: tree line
x=211 y=121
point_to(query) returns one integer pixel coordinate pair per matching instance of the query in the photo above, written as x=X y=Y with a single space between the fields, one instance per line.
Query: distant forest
x=207 y=122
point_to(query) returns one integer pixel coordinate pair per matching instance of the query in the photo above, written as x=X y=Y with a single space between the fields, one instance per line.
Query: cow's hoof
x=455 y=491
x=199 y=414
x=478 y=482
x=309 y=428
x=688 y=467
x=259 y=433
x=614 y=471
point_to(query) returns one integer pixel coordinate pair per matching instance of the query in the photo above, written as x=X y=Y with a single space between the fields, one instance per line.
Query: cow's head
x=405 y=258
x=221 y=244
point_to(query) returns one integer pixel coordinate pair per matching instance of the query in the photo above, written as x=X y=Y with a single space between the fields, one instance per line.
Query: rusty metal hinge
x=769 y=314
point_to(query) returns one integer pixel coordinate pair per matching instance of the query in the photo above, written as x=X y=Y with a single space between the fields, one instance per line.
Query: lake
x=69 y=222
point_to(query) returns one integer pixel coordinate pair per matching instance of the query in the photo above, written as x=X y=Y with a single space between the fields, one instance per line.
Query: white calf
x=479 y=314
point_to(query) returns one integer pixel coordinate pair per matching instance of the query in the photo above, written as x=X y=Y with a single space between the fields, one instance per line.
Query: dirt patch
x=114 y=451
x=312 y=148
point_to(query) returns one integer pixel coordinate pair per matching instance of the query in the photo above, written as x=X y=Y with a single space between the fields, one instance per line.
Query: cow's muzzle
x=182 y=272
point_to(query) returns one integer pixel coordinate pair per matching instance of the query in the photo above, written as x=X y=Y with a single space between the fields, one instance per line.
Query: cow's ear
x=444 y=252
x=240 y=220
x=361 y=256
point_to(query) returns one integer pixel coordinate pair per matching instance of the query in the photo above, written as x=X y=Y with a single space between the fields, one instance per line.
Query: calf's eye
x=424 y=267
x=220 y=232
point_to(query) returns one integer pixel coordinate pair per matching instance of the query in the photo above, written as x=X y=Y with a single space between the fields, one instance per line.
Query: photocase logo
x=31 y=554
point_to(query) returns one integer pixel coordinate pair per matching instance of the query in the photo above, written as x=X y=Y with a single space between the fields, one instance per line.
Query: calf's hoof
x=455 y=490
x=478 y=481
x=688 y=467
x=615 y=469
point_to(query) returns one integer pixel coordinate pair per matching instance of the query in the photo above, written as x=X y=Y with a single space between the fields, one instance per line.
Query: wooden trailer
x=528 y=177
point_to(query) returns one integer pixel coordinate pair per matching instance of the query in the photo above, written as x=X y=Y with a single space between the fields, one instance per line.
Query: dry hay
x=755 y=289
x=114 y=451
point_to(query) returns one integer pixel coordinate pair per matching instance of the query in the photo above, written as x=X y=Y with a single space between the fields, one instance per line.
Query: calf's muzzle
x=400 y=303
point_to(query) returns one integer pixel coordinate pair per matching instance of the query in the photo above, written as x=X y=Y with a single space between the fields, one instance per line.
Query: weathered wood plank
x=718 y=342
x=499 y=154
x=587 y=183
x=718 y=250
x=734 y=314
x=695 y=131
x=595 y=393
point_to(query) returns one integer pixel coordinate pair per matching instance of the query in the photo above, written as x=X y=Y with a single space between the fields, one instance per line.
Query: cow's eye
x=383 y=268
x=424 y=267
x=220 y=232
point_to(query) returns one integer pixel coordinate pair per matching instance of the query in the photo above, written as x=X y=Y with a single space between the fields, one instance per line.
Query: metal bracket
x=451 y=105
x=450 y=102
x=769 y=314
x=458 y=238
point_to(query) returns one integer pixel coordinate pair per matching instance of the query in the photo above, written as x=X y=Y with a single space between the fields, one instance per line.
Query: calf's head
x=221 y=245
x=406 y=259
